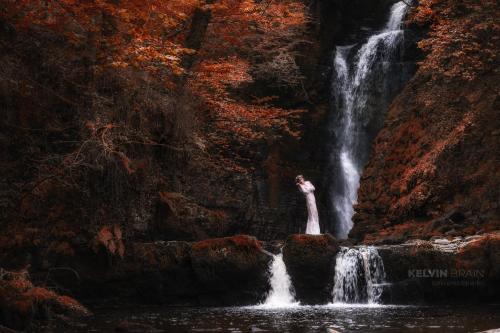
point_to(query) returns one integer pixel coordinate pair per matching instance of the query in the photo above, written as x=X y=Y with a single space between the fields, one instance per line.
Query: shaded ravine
x=365 y=79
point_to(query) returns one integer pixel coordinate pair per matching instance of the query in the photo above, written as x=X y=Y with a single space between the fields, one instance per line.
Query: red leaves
x=462 y=42
x=123 y=34
x=27 y=300
x=245 y=39
x=424 y=13
x=111 y=238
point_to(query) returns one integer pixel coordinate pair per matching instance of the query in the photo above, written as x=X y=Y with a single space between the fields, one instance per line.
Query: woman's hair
x=299 y=177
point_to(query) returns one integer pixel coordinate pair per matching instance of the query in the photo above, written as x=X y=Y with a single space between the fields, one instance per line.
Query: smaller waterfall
x=359 y=276
x=282 y=293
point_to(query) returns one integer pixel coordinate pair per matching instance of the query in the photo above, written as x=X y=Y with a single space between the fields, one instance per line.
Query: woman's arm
x=311 y=186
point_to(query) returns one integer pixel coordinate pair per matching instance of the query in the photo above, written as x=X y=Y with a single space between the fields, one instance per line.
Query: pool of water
x=341 y=318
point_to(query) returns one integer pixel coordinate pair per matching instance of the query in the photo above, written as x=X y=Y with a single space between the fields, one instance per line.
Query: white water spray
x=282 y=293
x=355 y=77
x=359 y=276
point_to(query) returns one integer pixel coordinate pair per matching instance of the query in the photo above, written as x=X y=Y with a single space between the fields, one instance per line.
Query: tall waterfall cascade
x=281 y=293
x=366 y=76
x=359 y=276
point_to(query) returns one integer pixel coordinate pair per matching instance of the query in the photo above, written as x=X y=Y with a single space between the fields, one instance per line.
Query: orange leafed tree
x=246 y=42
x=459 y=49
x=142 y=34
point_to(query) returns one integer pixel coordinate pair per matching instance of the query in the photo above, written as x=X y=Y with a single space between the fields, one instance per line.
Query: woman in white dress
x=307 y=188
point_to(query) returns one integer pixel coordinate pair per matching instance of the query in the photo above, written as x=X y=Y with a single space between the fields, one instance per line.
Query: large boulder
x=152 y=273
x=231 y=270
x=220 y=271
x=310 y=261
x=161 y=272
x=443 y=270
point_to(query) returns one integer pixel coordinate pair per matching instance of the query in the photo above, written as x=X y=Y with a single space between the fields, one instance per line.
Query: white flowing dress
x=312 y=212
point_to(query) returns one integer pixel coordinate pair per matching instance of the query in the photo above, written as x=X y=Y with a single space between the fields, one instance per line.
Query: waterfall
x=362 y=86
x=359 y=276
x=282 y=293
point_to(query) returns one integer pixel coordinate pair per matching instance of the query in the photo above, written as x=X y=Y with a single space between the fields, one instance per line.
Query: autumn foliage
x=111 y=238
x=246 y=43
x=459 y=46
x=433 y=170
x=103 y=101
x=22 y=303
x=141 y=34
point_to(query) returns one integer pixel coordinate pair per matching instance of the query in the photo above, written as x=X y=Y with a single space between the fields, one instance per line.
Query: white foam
x=281 y=294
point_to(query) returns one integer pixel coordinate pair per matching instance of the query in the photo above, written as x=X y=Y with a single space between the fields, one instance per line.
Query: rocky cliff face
x=140 y=227
x=168 y=172
x=218 y=271
x=434 y=165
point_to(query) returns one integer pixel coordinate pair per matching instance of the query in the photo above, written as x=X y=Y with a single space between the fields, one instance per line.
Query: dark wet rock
x=310 y=261
x=273 y=247
x=346 y=242
x=161 y=272
x=219 y=271
x=4 y=329
x=129 y=326
x=443 y=270
x=231 y=270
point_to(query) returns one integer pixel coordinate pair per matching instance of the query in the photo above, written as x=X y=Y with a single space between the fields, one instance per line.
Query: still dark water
x=294 y=320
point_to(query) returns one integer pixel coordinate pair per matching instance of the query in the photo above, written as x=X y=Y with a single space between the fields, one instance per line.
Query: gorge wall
x=95 y=156
x=94 y=162
x=215 y=156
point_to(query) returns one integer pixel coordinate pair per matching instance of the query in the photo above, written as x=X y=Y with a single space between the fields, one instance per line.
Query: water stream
x=281 y=293
x=366 y=75
x=359 y=276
